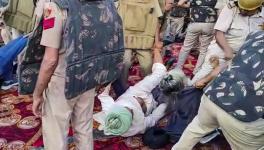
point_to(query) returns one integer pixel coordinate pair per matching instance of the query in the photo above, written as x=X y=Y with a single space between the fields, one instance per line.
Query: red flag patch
x=48 y=23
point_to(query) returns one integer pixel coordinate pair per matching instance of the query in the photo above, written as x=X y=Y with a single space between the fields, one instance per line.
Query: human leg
x=190 y=41
x=145 y=61
x=204 y=123
x=205 y=40
x=82 y=121
x=57 y=111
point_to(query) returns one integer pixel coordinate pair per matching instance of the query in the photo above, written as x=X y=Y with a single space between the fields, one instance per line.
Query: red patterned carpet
x=20 y=130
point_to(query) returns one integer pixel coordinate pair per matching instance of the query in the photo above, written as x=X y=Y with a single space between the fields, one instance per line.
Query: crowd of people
x=64 y=49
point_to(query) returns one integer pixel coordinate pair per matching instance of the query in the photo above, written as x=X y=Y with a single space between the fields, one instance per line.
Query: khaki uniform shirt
x=236 y=26
x=52 y=37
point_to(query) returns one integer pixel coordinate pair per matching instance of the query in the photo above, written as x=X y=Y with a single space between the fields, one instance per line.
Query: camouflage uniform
x=175 y=24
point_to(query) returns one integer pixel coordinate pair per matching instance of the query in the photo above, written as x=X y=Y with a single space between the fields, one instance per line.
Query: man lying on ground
x=136 y=110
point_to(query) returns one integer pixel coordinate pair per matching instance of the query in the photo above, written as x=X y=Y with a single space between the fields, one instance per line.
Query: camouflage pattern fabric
x=94 y=44
x=239 y=90
x=31 y=61
x=179 y=11
x=203 y=11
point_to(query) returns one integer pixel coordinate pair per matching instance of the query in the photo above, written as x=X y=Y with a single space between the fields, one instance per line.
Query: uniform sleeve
x=52 y=26
x=224 y=20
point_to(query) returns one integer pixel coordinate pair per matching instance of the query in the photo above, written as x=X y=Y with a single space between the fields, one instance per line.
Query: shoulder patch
x=48 y=23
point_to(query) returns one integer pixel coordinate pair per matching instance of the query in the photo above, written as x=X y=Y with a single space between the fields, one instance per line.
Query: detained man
x=136 y=110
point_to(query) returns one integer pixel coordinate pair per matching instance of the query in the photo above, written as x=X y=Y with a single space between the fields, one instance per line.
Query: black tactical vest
x=239 y=90
x=203 y=11
x=94 y=41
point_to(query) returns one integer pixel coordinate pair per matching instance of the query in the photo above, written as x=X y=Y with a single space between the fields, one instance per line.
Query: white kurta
x=143 y=89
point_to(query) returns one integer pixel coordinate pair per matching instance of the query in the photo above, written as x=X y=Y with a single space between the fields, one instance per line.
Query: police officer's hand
x=37 y=105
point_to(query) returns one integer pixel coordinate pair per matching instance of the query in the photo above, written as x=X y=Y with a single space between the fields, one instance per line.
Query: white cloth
x=143 y=90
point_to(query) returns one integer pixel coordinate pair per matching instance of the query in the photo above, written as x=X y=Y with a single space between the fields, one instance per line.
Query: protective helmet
x=250 y=4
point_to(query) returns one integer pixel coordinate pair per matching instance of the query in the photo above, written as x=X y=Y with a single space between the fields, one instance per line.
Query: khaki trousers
x=58 y=112
x=196 y=32
x=240 y=135
x=145 y=60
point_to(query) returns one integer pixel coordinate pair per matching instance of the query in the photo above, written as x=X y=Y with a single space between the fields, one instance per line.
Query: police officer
x=141 y=22
x=235 y=22
x=233 y=102
x=65 y=91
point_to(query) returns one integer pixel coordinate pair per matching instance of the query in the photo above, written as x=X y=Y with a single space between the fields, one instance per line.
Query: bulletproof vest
x=203 y=11
x=140 y=22
x=94 y=42
x=239 y=90
x=31 y=58
x=20 y=15
x=179 y=11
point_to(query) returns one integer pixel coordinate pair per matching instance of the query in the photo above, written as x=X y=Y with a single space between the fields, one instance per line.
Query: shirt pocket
x=139 y=17
x=135 y=18
x=239 y=27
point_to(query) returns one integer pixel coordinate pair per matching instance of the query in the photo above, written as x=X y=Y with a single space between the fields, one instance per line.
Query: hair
x=156 y=138
x=170 y=86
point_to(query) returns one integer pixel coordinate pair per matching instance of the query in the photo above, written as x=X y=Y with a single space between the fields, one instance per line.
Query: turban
x=118 y=120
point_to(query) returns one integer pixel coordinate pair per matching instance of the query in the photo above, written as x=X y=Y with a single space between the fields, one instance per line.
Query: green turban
x=118 y=120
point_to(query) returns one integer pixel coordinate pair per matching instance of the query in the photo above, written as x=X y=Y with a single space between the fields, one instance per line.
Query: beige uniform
x=236 y=28
x=58 y=112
